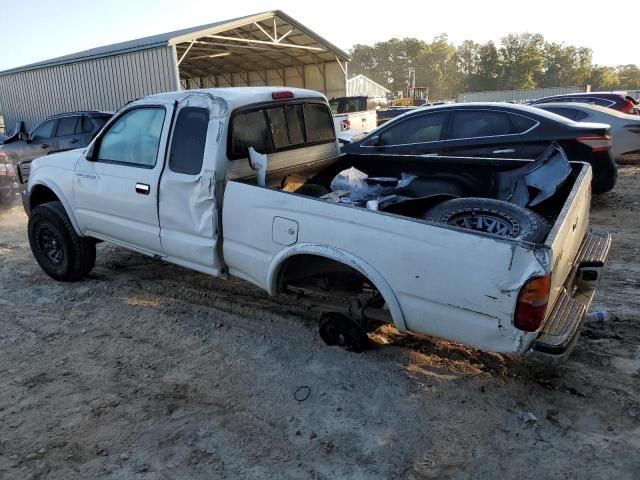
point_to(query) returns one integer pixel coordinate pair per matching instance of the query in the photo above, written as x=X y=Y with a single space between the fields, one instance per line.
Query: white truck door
x=188 y=209
x=116 y=190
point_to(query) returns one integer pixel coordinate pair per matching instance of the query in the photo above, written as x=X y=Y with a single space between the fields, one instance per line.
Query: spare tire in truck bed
x=491 y=216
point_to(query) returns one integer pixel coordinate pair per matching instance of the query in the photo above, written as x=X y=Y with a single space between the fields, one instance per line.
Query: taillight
x=635 y=128
x=600 y=143
x=532 y=303
x=3 y=156
x=281 y=95
x=7 y=170
x=345 y=124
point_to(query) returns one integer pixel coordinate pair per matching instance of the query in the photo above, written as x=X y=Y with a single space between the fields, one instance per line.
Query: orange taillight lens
x=532 y=303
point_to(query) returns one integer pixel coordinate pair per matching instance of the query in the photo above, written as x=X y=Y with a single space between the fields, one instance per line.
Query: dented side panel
x=188 y=209
x=449 y=283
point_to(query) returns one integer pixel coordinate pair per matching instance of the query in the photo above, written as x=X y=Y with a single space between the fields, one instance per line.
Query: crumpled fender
x=345 y=258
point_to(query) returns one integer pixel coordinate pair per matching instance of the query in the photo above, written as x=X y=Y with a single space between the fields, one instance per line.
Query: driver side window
x=133 y=138
x=417 y=129
x=44 y=131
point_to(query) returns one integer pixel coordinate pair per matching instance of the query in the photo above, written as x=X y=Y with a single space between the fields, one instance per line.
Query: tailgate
x=568 y=232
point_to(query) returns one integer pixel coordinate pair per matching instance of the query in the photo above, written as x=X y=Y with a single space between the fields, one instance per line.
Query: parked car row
x=492 y=130
x=620 y=101
x=596 y=127
x=625 y=128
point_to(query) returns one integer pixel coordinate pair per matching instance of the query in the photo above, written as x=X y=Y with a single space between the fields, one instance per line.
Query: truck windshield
x=274 y=128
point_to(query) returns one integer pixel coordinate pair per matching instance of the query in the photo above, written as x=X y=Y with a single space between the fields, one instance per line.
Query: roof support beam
x=186 y=51
x=262 y=42
x=342 y=67
x=274 y=38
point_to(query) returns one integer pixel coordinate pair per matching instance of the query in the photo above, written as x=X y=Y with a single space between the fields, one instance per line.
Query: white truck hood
x=59 y=161
x=66 y=159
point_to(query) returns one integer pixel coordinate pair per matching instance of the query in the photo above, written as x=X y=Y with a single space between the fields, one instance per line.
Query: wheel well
x=334 y=286
x=322 y=272
x=41 y=194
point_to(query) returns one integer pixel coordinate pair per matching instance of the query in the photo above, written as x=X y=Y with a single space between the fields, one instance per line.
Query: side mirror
x=24 y=136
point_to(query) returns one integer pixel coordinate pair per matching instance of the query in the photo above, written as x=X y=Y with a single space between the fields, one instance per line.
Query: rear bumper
x=562 y=328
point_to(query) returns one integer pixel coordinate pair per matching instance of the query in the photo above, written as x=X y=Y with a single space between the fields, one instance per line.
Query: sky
x=34 y=30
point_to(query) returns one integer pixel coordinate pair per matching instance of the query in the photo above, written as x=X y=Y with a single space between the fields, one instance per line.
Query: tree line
x=519 y=61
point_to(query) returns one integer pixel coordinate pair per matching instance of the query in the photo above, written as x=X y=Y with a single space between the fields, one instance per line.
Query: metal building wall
x=516 y=96
x=360 y=85
x=105 y=83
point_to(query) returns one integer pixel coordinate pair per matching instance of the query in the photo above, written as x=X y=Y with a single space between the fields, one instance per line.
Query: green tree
x=564 y=66
x=436 y=68
x=628 y=77
x=489 y=71
x=522 y=60
x=603 y=78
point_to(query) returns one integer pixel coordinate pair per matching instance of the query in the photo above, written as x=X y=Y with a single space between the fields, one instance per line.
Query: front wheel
x=59 y=250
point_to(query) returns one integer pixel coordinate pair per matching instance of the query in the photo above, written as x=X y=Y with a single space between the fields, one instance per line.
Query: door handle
x=505 y=150
x=44 y=145
x=430 y=155
x=142 y=188
x=75 y=140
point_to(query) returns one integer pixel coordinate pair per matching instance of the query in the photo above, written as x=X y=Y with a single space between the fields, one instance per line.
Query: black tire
x=491 y=216
x=59 y=250
x=604 y=177
x=337 y=329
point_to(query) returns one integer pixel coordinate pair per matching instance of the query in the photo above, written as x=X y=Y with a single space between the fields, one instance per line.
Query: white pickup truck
x=437 y=250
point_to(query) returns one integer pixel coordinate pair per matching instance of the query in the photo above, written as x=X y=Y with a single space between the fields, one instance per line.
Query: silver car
x=625 y=129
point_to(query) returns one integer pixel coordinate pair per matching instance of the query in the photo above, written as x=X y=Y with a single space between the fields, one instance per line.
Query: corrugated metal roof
x=169 y=38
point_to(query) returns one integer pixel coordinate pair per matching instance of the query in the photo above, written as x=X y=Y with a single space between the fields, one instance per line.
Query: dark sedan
x=55 y=134
x=620 y=101
x=492 y=130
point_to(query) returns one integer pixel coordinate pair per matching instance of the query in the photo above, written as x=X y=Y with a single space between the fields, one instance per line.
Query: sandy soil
x=151 y=371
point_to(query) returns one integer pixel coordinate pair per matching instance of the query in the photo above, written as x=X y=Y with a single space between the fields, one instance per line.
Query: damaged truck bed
x=249 y=182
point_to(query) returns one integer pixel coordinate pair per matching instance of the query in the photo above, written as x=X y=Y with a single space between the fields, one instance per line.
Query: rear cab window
x=272 y=128
x=189 y=140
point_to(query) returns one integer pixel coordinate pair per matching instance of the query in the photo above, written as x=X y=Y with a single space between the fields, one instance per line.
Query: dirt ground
x=151 y=371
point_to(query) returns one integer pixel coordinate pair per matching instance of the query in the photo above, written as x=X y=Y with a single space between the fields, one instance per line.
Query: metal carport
x=269 y=48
